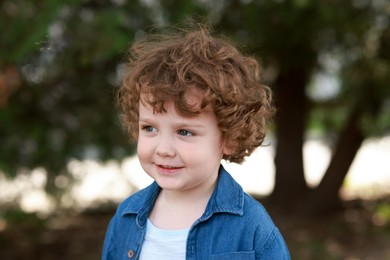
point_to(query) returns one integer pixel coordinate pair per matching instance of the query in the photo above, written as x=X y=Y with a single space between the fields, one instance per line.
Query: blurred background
x=65 y=162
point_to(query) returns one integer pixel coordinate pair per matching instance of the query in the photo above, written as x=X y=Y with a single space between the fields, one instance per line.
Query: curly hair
x=165 y=68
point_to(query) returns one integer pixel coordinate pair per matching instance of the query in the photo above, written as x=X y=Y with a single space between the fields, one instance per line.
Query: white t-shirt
x=164 y=244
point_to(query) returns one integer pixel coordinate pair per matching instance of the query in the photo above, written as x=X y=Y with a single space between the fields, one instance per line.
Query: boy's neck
x=179 y=209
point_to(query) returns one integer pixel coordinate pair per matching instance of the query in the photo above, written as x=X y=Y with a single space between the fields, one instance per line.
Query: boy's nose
x=165 y=148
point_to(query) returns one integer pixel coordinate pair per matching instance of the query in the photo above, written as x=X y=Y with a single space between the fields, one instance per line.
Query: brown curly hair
x=166 y=68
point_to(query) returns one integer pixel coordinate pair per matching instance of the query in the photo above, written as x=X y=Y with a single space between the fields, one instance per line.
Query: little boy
x=190 y=100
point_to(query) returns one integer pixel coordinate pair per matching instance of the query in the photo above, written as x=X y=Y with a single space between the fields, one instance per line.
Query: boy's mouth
x=167 y=166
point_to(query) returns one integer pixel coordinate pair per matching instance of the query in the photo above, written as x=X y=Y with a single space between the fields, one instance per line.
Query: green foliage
x=382 y=213
x=62 y=106
x=23 y=25
x=18 y=218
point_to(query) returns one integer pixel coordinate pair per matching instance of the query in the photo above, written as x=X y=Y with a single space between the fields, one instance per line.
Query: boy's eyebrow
x=177 y=125
x=186 y=124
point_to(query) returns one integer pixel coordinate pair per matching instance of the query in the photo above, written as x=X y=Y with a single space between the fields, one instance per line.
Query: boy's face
x=180 y=153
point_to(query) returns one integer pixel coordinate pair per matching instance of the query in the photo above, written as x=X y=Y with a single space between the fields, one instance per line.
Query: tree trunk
x=290 y=100
x=325 y=197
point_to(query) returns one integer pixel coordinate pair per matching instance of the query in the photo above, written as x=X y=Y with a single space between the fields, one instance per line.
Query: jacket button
x=130 y=253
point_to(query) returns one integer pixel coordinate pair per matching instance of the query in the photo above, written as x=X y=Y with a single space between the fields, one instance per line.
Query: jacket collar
x=227 y=197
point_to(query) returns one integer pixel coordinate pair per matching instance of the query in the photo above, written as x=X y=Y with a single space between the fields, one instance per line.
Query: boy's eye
x=149 y=128
x=185 y=132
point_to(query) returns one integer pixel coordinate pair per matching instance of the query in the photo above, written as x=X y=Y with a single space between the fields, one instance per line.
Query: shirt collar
x=227 y=197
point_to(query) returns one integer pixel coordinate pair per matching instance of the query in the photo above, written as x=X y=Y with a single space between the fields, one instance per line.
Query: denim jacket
x=233 y=226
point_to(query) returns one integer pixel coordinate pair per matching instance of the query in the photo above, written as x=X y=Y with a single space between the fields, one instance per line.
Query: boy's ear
x=228 y=148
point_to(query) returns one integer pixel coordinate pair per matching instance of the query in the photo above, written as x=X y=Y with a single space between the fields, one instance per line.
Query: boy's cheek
x=143 y=149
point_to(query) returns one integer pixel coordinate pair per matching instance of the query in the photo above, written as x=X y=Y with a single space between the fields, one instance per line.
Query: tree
x=65 y=61
x=292 y=37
